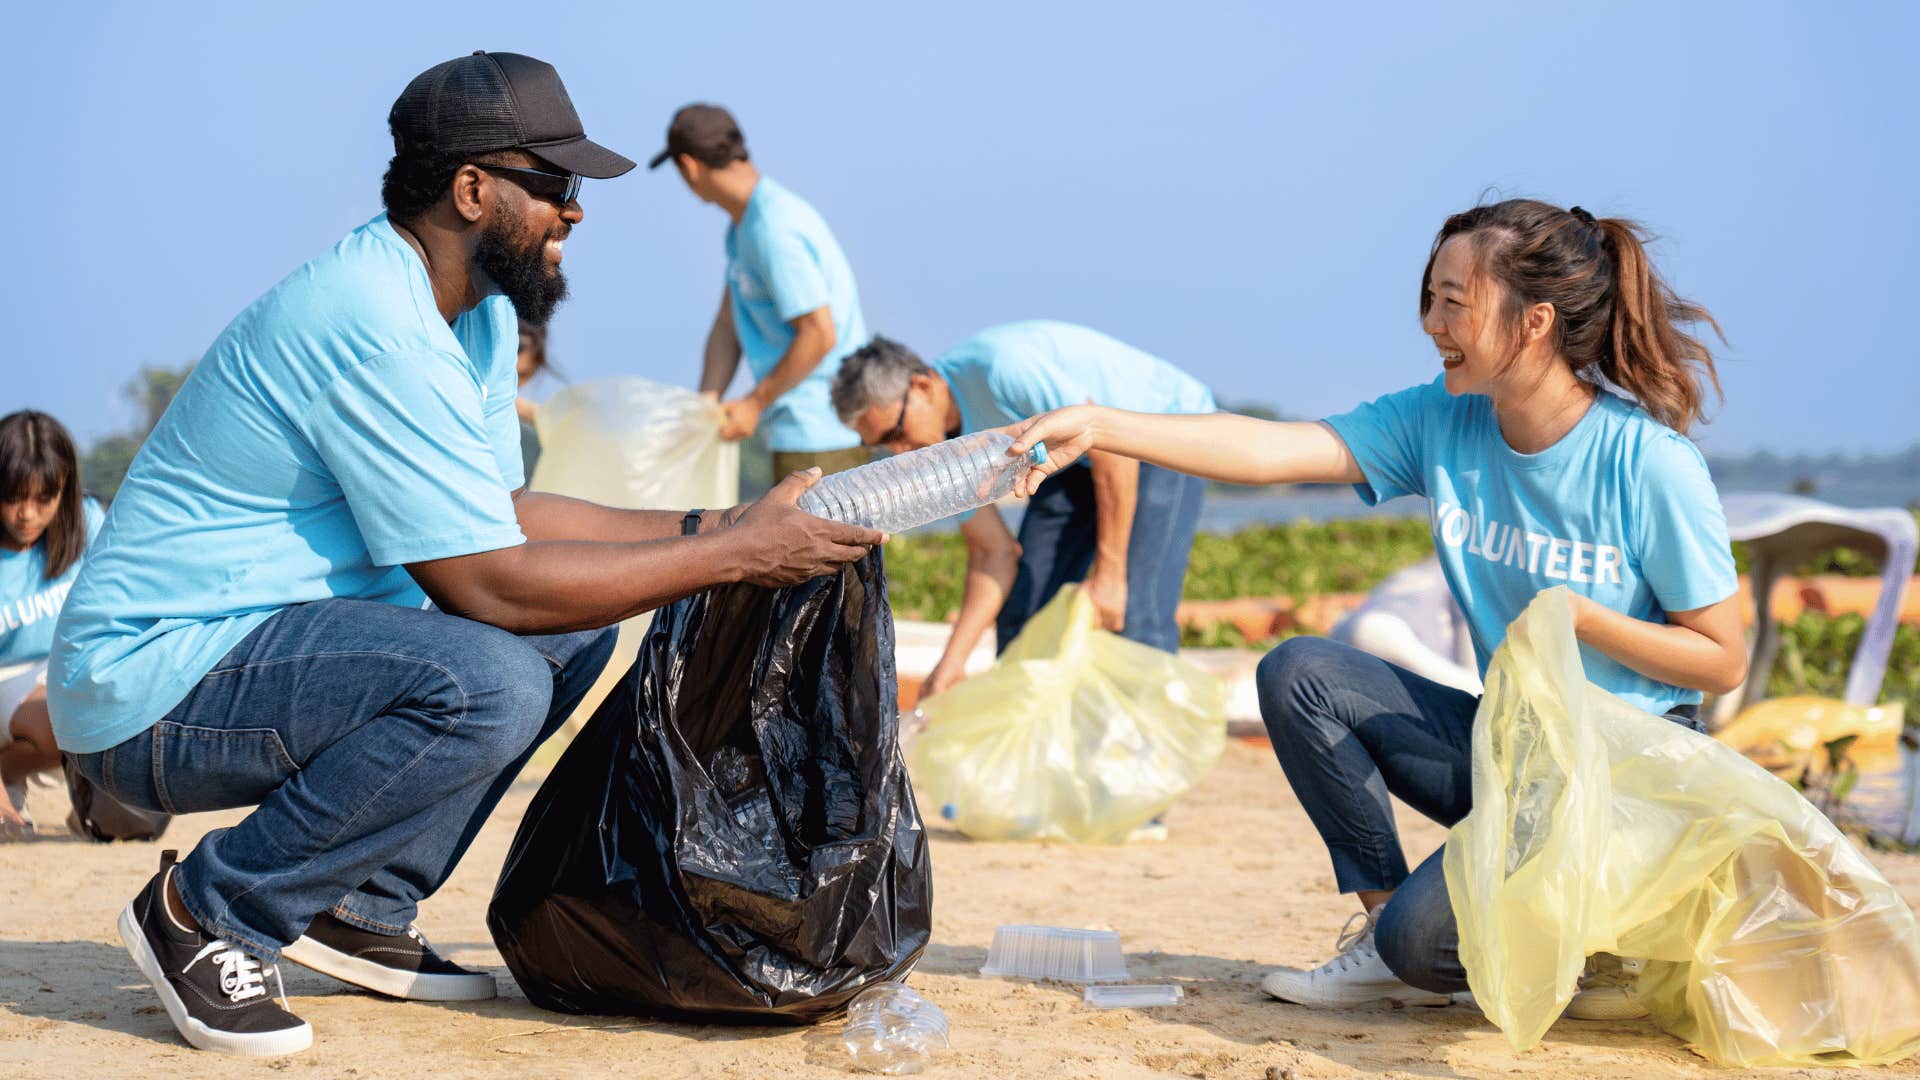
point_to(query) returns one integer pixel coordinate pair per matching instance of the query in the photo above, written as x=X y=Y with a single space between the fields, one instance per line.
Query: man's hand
x=944 y=674
x=786 y=545
x=1107 y=589
x=742 y=418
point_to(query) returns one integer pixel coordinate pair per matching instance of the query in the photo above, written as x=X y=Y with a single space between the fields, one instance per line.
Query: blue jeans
x=375 y=739
x=1351 y=729
x=1057 y=537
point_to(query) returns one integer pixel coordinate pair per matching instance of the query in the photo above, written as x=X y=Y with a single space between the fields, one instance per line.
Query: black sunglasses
x=899 y=428
x=561 y=188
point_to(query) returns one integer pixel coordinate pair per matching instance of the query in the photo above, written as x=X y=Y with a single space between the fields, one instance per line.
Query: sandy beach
x=1240 y=885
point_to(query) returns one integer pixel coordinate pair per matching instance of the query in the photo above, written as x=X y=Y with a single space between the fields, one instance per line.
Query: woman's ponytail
x=1648 y=354
x=1615 y=319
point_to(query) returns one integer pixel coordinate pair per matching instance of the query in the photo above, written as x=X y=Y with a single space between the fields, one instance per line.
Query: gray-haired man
x=1123 y=527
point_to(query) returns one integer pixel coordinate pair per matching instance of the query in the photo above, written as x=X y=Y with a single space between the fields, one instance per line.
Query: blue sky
x=1248 y=190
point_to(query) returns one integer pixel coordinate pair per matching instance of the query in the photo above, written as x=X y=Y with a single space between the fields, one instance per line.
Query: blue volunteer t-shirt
x=1621 y=509
x=338 y=429
x=1008 y=373
x=29 y=602
x=782 y=262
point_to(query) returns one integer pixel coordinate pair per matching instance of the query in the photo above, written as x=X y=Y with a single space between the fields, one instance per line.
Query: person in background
x=1552 y=450
x=252 y=626
x=1123 y=528
x=790 y=306
x=45 y=526
x=1411 y=620
x=528 y=364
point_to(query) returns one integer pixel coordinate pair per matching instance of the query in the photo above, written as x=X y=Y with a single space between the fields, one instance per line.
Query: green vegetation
x=1305 y=558
x=105 y=463
x=1816 y=649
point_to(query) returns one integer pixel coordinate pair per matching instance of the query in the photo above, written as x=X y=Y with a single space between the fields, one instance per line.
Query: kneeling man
x=252 y=624
x=1124 y=527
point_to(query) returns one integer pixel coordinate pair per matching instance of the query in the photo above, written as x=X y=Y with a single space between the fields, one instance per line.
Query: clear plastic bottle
x=892 y=1029
x=898 y=493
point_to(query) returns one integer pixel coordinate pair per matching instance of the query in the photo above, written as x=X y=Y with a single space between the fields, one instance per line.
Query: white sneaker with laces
x=1606 y=990
x=1355 y=976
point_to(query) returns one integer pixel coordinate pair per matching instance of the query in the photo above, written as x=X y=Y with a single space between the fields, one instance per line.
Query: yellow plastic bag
x=1075 y=734
x=635 y=444
x=1596 y=827
x=638 y=445
x=1782 y=733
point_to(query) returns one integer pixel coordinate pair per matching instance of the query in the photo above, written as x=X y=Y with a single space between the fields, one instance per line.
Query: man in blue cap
x=252 y=624
x=790 y=306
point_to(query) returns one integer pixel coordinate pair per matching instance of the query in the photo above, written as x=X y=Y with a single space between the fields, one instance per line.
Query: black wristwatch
x=690 y=525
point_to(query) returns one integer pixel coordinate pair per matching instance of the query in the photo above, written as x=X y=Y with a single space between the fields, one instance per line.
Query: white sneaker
x=1606 y=990
x=1355 y=976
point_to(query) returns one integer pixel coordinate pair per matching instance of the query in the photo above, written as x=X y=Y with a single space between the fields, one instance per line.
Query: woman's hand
x=1067 y=433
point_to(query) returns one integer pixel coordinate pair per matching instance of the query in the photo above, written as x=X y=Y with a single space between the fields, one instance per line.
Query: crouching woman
x=1552 y=450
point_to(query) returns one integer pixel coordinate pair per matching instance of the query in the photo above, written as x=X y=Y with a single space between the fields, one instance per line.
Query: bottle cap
x=1037 y=455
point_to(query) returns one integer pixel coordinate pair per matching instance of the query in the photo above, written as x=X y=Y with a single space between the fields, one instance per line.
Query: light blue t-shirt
x=1621 y=509
x=782 y=262
x=29 y=602
x=338 y=429
x=1008 y=373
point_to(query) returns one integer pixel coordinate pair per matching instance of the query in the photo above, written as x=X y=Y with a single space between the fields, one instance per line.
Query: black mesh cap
x=705 y=133
x=498 y=101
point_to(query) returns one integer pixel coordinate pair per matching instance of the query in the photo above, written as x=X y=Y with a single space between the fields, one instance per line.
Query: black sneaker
x=214 y=991
x=398 y=965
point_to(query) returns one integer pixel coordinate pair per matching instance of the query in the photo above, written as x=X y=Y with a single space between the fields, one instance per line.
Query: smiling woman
x=1551 y=451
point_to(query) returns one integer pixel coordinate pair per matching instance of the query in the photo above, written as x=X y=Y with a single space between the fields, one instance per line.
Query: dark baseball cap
x=705 y=133
x=498 y=101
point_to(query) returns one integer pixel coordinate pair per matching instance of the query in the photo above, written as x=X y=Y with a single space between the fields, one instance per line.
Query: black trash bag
x=105 y=818
x=732 y=836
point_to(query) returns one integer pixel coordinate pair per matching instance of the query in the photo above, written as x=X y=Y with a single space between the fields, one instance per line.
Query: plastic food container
x=1055 y=952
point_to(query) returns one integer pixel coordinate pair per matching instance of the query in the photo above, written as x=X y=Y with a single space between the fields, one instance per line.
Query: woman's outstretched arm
x=1217 y=446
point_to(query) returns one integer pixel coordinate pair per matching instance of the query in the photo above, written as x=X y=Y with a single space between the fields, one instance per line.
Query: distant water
x=1232 y=510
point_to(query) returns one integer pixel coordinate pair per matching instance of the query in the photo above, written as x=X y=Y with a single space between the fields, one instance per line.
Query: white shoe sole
x=262 y=1044
x=1604 y=1006
x=1281 y=990
x=413 y=986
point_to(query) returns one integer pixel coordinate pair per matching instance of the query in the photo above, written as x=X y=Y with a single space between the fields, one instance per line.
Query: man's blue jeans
x=375 y=739
x=1351 y=729
x=1057 y=536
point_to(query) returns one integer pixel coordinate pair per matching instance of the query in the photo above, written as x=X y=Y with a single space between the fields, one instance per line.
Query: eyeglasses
x=899 y=428
x=561 y=188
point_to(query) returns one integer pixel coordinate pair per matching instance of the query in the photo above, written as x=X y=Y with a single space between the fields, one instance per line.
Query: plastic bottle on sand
x=892 y=1029
x=898 y=493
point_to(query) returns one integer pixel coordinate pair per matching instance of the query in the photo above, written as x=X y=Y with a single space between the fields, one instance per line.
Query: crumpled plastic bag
x=1075 y=734
x=634 y=444
x=1782 y=733
x=1596 y=827
x=733 y=837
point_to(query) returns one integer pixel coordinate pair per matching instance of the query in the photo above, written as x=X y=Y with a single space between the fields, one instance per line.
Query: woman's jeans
x=375 y=739
x=1351 y=729
x=1057 y=539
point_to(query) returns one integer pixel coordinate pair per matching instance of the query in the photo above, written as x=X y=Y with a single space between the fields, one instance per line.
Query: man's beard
x=535 y=287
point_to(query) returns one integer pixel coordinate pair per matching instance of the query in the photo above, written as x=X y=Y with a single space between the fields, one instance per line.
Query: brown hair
x=36 y=457
x=533 y=337
x=1615 y=319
